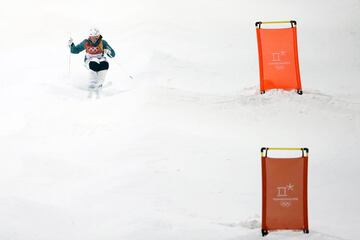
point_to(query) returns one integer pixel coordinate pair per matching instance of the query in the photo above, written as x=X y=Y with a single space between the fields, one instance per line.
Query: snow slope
x=175 y=152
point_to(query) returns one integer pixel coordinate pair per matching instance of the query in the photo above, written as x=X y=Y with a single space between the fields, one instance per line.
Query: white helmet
x=94 y=32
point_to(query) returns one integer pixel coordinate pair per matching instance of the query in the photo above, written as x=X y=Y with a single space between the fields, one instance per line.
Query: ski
x=91 y=93
x=96 y=90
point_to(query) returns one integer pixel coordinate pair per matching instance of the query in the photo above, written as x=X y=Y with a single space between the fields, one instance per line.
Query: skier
x=95 y=58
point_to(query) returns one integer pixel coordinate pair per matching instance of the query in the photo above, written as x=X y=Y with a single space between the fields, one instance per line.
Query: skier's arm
x=77 y=48
x=107 y=46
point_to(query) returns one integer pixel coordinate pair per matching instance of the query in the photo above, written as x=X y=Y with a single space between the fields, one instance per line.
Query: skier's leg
x=93 y=79
x=101 y=77
x=103 y=68
x=94 y=69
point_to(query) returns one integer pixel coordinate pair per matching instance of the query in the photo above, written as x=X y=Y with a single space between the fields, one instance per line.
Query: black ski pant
x=104 y=65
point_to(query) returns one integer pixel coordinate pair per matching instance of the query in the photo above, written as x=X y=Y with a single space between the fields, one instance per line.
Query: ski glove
x=70 y=42
x=108 y=52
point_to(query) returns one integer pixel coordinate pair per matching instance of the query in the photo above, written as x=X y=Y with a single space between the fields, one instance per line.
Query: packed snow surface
x=174 y=151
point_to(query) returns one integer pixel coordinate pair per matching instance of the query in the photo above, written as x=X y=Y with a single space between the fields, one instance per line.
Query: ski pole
x=120 y=66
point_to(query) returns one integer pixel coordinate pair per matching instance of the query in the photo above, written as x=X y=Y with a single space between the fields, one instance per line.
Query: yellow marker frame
x=292 y=22
x=264 y=150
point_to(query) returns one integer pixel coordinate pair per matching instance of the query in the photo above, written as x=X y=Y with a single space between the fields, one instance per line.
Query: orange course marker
x=284 y=193
x=278 y=58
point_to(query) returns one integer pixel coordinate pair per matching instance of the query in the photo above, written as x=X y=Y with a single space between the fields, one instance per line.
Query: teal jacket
x=81 y=47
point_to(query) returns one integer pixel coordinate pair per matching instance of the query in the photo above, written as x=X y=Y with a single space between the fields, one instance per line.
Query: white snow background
x=175 y=152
